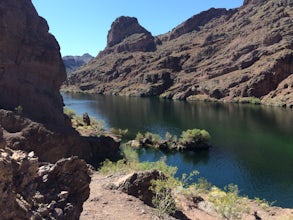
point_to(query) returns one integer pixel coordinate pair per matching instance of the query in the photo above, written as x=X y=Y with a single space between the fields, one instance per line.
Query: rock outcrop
x=31 y=68
x=31 y=72
x=138 y=184
x=220 y=55
x=33 y=190
x=72 y=63
x=127 y=35
x=197 y=21
x=22 y=133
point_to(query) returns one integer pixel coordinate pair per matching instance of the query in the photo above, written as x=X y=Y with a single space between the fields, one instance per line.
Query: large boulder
x=31 y=190
x=31 y=68
x=138 y=184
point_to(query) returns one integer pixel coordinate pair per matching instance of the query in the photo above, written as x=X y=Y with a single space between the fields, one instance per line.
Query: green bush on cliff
x=18 y=109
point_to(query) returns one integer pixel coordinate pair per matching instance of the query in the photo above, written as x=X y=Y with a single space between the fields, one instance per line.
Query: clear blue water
x=253 y=145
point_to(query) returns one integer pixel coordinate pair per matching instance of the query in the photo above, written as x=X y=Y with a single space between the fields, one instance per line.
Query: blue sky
x=82 y=26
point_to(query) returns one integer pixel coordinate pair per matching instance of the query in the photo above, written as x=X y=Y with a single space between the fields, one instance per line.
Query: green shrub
x=139 y=137
x=69 y=112
x=228 y=203
x=194 y=136
x=264 y=204
x=203 y=186
x=129 y=154
x=251 y=100
x=163 y=200
x=18 y=109
x=154 y=138
x=120 y=133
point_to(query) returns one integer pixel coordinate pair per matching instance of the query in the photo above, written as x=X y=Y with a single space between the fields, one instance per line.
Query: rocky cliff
x=36 y=180
x=33 y=190
x=72 y=63
x=31 y=68
x=238 y=55
x=31 y=72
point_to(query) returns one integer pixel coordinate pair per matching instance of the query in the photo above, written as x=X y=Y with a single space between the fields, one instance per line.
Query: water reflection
x=253 y=144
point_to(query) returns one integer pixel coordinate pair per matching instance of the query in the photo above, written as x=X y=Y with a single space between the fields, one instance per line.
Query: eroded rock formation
x=22 y=133
x=31 y=190
x=225 y=55
x=127 y=35
x=31 y=72
x=31 y=68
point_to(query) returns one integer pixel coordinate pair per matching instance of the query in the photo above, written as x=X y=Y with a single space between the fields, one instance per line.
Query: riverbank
x=193 y=99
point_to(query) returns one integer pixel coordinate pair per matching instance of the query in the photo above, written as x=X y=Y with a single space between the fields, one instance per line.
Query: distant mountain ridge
x=72 y=63
x=238 y=55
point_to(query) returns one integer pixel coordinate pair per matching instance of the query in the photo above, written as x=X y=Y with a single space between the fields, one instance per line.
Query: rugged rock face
x=246 y=2
x=50 y=146
x=31 y=68
x=72 y=63
x=126 y=34
x=31 y=190
x=197 y=21
x=217 y=55
x=31 y=72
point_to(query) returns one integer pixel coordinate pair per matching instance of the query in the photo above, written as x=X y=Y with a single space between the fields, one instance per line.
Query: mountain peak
x=122 y=28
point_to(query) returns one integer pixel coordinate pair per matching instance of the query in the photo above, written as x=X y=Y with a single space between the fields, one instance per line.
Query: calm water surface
x=253 y=145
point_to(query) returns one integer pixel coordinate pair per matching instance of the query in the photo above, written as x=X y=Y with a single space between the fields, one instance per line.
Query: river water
x=252 y=145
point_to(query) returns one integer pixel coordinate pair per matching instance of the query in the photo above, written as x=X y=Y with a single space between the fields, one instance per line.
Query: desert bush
x=189 y=140
x=69 y=112
x=18 y=109
x=163 y=199
x=120 y=133
x=129 y=154
x=228 y=203
x=193 y=137
x=139 y=137
x=264 y=204
x=251 y=100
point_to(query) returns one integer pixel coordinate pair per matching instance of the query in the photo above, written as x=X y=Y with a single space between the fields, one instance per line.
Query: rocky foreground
x=116 y=197
x=34 y=190
x=238 y=55
x=43 y=160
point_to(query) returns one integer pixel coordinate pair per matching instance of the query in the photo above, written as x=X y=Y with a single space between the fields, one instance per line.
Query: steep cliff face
x=31 y=68
x=230 y=56
x=31 y=72
x=127 y=35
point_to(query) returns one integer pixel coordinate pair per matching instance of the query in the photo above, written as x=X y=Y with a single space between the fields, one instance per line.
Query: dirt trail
x=105 y=203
